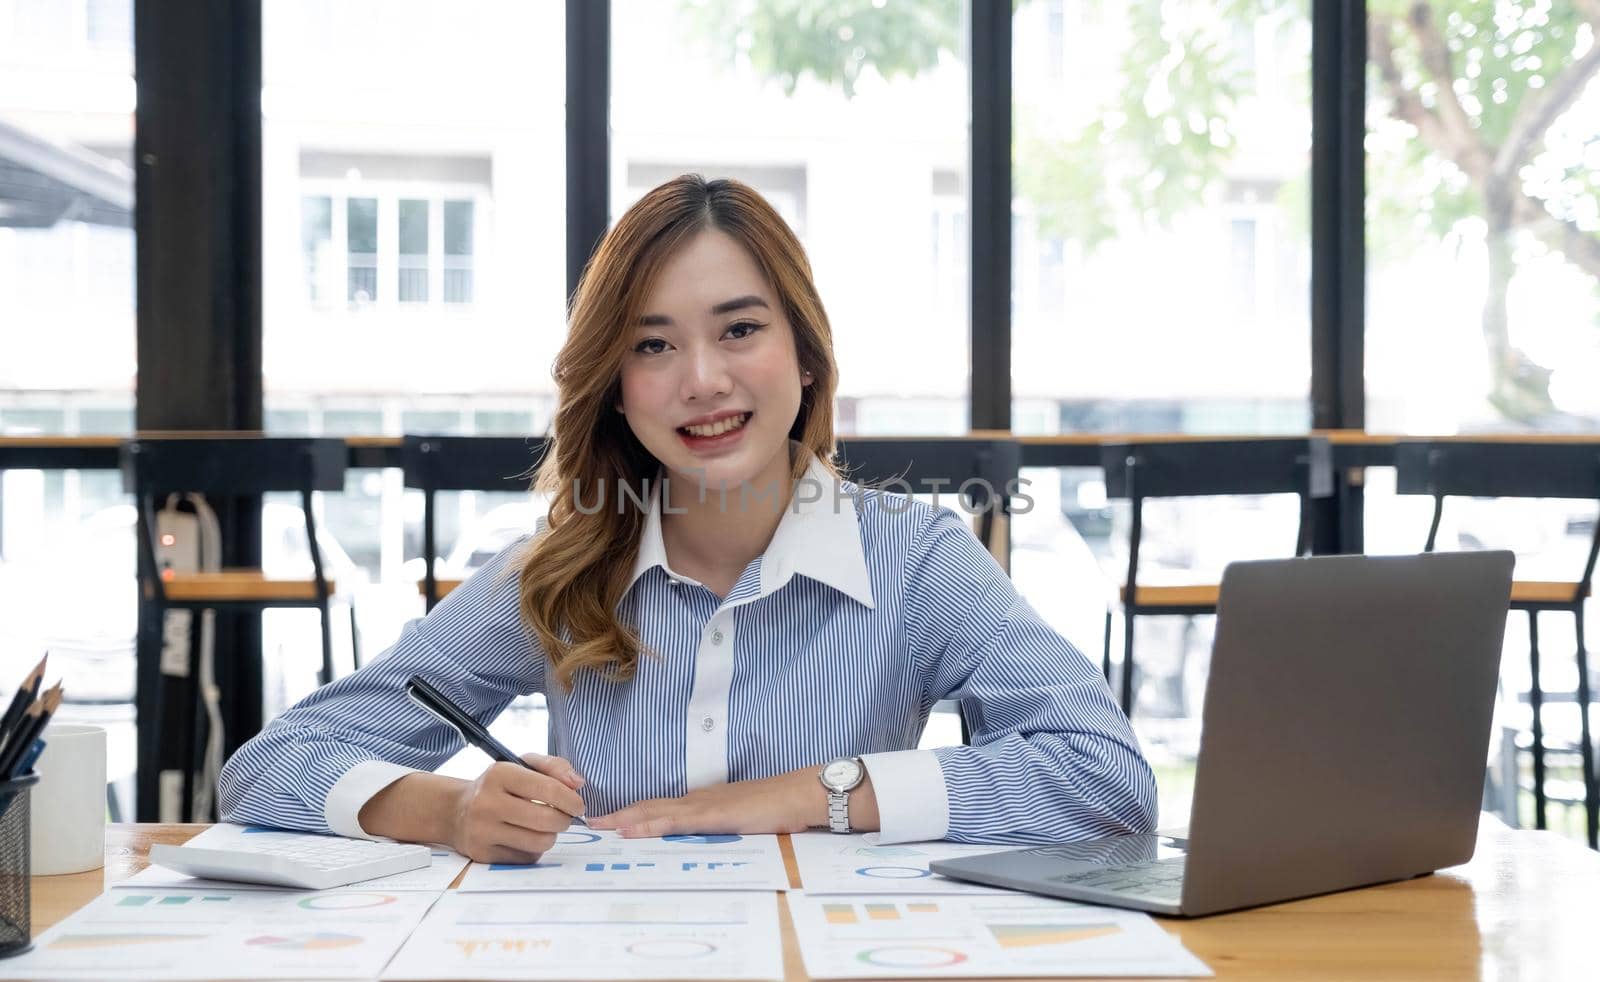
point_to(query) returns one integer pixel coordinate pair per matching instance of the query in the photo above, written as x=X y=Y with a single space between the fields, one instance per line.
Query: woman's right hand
x=511 y=814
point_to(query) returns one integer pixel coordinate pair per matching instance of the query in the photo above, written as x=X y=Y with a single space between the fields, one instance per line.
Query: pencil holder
x=16 y=915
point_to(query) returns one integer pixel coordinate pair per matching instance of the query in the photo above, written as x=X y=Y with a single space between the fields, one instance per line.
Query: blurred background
x=414 y=258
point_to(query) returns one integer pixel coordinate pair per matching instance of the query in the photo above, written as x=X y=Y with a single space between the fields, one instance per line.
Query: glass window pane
x=450 y=203
x=67 y=354
x=458 y=251
x=1487 y=275
x=362 y=232
x=109 y=23
x=1162 y=250
x=852 y=120
x=413 y=251
x=458 y=228
x=428 y=128
x=1483 y=262
x=316 y=239
x=66 y=210
x=1161 y=258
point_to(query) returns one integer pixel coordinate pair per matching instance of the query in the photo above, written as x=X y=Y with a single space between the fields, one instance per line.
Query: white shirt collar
x=818 y=537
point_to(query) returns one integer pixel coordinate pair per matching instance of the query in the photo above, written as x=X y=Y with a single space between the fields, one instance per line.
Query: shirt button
x=672 y=582
x=716 y=638
x=707 y=723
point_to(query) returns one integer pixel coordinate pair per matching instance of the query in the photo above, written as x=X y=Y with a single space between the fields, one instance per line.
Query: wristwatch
x=840 y=777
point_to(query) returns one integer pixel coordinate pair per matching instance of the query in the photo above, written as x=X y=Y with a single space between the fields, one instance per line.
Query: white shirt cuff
x=342 y=809
x=909 y=785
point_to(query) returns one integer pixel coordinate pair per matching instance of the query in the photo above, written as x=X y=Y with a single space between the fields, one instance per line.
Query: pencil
x=34 y=724
x=27 y=692
x=9 y=749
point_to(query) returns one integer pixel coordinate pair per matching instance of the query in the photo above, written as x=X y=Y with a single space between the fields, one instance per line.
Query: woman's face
x=711 y=383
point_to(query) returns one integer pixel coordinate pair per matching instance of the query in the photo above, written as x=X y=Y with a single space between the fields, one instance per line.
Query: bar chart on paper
x=584 y=859
x=875 y=936
x=831 y=863
x=594 y=936
x=211 y=934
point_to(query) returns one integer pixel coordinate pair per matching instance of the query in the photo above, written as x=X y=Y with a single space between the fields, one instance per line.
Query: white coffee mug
x=68 y=821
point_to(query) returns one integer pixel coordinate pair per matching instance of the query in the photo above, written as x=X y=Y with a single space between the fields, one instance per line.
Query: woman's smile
x=717 y=436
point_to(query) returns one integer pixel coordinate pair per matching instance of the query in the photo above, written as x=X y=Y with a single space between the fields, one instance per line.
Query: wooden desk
x=1527 y=906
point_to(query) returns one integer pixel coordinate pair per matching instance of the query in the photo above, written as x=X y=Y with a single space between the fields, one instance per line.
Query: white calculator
x=311 y=862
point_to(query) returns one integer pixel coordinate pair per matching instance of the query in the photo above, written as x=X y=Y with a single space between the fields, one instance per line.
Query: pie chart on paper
x=893 y=872
x=703 y=840
x=346 y=901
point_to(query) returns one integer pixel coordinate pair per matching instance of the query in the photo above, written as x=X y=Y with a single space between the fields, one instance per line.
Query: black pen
x=435 y=702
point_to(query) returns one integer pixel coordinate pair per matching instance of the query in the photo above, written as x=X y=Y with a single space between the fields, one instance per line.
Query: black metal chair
x=1502 y=469
x=239 y=466
x=236 y=466
x=432 y=464
x=1195 y=468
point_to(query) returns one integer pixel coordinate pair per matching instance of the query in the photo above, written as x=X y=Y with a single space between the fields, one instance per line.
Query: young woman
x=730 y=637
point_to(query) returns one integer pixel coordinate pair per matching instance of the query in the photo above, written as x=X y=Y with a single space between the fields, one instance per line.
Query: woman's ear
x=806 y=378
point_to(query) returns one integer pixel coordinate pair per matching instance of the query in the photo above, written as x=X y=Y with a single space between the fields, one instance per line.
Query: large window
x=852 y=119
x=1160 y=284
x=414 y=205
x=67 y=349
x=66 y=209
x=1483 y=218
x=1161 y=247
x=414 y=262
x=1483 y=288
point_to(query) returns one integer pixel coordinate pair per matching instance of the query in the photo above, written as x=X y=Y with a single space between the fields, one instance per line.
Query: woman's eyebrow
x=725 y=307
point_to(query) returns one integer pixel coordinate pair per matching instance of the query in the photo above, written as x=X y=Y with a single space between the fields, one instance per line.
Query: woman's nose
x=706 y=375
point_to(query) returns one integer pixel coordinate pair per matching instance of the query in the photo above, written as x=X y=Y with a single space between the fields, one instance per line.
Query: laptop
x=1345 y=734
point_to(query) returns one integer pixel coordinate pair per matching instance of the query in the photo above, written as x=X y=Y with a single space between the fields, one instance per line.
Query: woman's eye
x=646 y=347
x=744 y=329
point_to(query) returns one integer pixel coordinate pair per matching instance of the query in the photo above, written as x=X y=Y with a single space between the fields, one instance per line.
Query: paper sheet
x=435 y=877
x=595 y=936
x=873 y=936
x=832 y=863
x=591 y=859
x=225 y=934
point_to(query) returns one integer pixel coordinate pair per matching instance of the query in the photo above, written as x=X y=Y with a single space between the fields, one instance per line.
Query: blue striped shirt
x=866 y=609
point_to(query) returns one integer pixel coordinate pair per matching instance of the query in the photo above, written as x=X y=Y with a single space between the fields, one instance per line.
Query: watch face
x=841 y=773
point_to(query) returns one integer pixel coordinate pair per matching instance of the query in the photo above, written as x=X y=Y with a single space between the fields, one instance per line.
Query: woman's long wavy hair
x=573 y=576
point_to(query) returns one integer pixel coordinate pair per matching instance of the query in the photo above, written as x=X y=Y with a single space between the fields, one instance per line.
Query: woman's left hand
x=791 y=802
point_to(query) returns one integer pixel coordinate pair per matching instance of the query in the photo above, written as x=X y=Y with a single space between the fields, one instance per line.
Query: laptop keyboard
x=1162 y=879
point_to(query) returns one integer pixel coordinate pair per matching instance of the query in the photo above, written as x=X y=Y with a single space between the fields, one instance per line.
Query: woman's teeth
x=718 y=428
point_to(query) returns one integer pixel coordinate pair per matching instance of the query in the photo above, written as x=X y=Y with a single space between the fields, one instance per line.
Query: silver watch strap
x=839 y=811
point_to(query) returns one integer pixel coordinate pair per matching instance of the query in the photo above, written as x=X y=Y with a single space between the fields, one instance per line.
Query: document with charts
x=225 y=934
x=436 y=877
x=595 y=936
x=875 y=936
x=591 y=859
x=832 y=863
